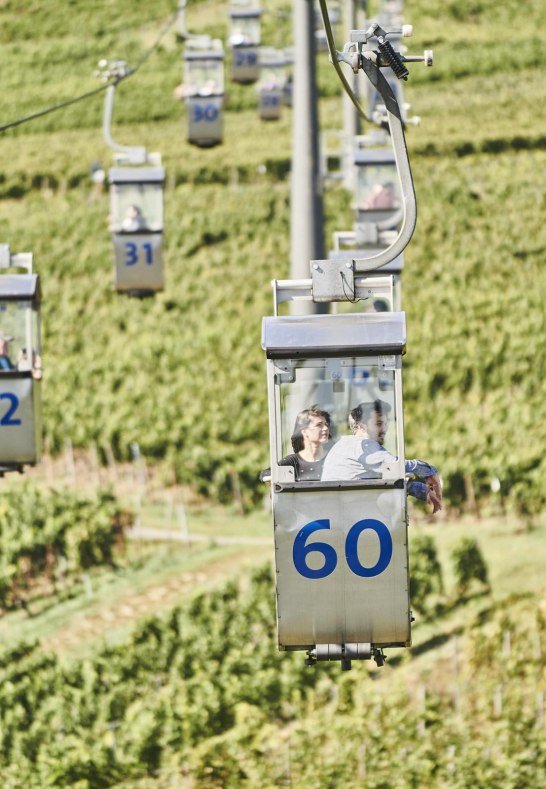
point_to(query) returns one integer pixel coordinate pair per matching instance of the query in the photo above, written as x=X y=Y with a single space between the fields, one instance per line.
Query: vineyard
x=472 y=284
x=125 y=663
x=51 y=536
x=202 y=693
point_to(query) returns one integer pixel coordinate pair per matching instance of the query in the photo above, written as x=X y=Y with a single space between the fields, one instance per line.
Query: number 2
x=7 y=420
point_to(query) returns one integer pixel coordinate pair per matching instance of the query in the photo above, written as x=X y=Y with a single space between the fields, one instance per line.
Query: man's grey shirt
x=354 y=457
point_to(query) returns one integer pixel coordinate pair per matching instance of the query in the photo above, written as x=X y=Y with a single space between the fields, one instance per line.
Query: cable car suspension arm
x=114 y=72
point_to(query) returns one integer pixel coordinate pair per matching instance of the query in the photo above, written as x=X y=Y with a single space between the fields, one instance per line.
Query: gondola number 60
x=300 y=550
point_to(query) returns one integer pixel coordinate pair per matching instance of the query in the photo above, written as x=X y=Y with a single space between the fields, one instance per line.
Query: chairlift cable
x=95 y=91
x=53 y=108
x=154 y=46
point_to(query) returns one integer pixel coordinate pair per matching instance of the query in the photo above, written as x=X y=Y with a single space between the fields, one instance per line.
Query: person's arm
x=420 y=468
x=431 y=489
x=424 y=491
x=417 y=489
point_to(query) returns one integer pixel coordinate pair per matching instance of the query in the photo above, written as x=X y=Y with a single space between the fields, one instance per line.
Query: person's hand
x=434 y=492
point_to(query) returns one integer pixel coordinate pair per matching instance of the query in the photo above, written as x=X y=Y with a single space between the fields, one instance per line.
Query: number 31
x=131 y=253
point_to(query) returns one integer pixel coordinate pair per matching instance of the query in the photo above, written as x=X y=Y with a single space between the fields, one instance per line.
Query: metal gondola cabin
x=20 y=362
x=136 y=203
x=244 y=41
x=341 y=545
x=136 y=210
x=204 y=91
x=271 y=84
x=340 y=516
x=378 y=196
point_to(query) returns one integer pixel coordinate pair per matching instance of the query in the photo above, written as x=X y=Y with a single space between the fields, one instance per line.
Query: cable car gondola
x=20 y=362
x=340 y=519
x=244 y=40
x=340 y=545
x=136 y=214
x=271 y=84
x=136 y=204
x=203 y=91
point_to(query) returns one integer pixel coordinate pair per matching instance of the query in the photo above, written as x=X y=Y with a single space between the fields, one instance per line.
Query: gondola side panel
x=354 y=585
x=20 y=423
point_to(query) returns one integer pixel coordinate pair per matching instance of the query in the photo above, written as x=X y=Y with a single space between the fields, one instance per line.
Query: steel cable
x=131 y=72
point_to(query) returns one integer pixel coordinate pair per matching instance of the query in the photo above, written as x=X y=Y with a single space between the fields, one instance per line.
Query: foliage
x=468 y=564
x=190 y=360
x=49 y=534
x=202 y=692
x=425 y=572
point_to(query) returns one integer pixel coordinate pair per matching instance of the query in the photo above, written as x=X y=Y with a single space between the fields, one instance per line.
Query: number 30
x=300 y=550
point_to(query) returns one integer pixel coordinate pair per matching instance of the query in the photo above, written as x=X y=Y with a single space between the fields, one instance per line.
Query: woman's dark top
x=303 y=469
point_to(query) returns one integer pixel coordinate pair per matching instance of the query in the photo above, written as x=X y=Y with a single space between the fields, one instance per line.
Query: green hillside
x=183 y=374
x=127 y=664
x=200 y=697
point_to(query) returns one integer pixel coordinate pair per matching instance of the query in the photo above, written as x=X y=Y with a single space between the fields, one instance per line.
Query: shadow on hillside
x=480 y=617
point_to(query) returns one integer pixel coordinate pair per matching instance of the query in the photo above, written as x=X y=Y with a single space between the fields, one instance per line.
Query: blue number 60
x=300 y=550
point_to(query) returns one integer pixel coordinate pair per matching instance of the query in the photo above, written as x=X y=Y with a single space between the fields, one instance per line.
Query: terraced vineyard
x=192 y=695
x=196 y=694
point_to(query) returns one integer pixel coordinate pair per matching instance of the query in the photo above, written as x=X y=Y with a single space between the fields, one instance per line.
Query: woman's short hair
x=303 y=420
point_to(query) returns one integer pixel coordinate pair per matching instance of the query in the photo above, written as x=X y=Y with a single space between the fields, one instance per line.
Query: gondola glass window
x=18 y=334
x=205 y=75
x=245 y=27
x=378 y=189
x=137 y=205
x=341 y=386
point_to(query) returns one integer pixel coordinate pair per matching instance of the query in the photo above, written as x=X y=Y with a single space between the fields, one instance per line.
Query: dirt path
x=110 y=619
x=175 y=535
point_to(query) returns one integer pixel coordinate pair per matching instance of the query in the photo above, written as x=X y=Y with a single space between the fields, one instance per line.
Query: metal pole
x=307 y=221
x=351 y=121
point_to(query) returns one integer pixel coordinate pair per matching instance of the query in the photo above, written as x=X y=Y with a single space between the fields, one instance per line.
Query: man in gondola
x=363 y=456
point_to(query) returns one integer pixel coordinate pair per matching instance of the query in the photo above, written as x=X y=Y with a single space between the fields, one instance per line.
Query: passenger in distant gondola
x=382 y=196
x=363 y=456
x=309 y=442
x=239 y=38
x=23 y=363
x=5 y=361
x=133 y=220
